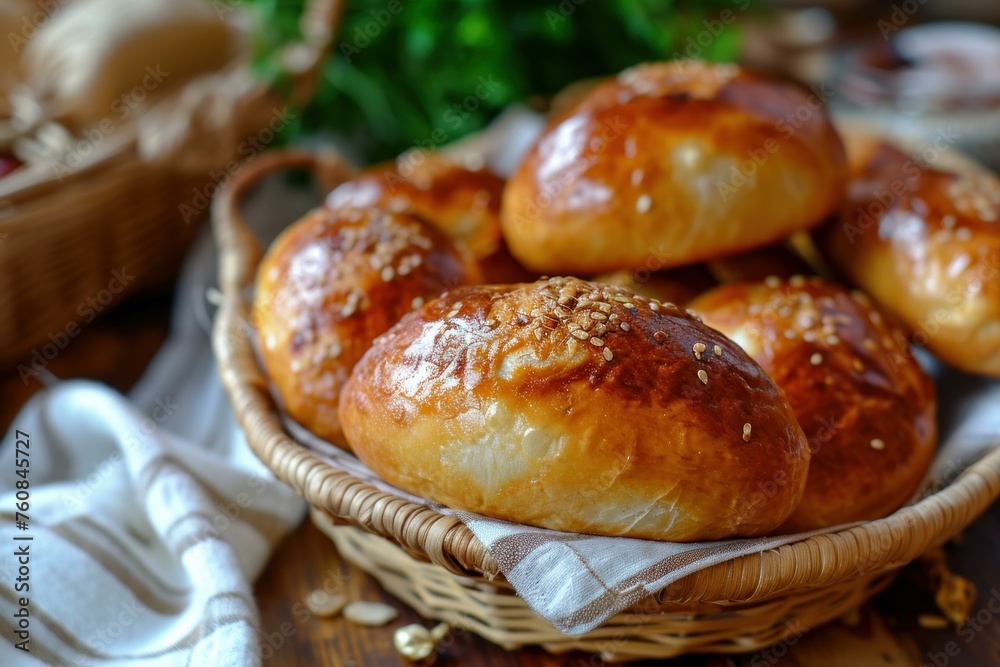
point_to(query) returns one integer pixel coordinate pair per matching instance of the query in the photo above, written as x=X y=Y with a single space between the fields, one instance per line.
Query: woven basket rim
x=821 y=560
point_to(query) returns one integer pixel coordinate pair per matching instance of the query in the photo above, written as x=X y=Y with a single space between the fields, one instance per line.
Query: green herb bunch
x=426 y=72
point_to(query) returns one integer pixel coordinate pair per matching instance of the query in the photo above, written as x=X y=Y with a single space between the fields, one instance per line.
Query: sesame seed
x=654 y=305
x=594 y=315
x=659 y=336
x=538 y=334
x=637 y=175
x=790 y=334
x=698 y=348
x=718 y=350
x=746 y=432
x=601 y=329
x=963 y=234
x=703 y=376
x=797 y=281
x=608 y=354
x=772 y=281
x=620 y=299
x=625 y=326
x=628 y=304
x=832 y=340
x=581 y=334
x=816 y=359
x=643 y=204
x=596 y=341
x=877 y=444
x=491 y=323
x=349 y=308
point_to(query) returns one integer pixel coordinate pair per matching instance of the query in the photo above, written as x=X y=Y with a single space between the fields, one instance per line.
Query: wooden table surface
x=885 y=632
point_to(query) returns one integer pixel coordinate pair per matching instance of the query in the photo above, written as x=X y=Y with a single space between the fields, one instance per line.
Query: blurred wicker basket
x=436 y=565
x=64 y=233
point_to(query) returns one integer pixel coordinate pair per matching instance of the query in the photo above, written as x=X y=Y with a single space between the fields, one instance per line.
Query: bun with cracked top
x=700 y=159
x=925 y=242
x=865 y=405
x=577 y=406
x=329 y=285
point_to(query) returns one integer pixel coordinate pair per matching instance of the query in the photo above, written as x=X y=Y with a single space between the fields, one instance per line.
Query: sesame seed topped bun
x=865 y=405
x=329 y=285
x=577 y=406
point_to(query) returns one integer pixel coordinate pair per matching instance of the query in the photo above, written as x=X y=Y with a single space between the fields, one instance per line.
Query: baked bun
x=463 y=203
x=925 y=242
x=671 y=286
x=577 y=406
x=329 y=285
x=686 y=158
x=864 y=404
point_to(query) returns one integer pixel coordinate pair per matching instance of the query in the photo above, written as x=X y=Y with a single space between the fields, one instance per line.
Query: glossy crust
x=463 y=203
x=577 y=406
x=926 y=244
x=329 y=285
x=686 y=159
x=865 y=405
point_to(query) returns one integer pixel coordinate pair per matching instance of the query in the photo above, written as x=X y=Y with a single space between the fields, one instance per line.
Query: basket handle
x=241 y=249
x=204 y=124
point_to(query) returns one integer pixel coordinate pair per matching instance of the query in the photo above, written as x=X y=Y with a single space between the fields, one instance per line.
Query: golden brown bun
x=577 y=406
x=926 y=244
x=463 y=203
x=329 y=285
x=671 y=286
x=685 y=159
x=865 y=405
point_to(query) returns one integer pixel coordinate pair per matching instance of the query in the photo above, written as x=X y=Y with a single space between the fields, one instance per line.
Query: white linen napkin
x=150 y=516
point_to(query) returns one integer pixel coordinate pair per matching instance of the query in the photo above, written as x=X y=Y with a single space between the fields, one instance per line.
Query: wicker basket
x=65 y=233
x=434 y=563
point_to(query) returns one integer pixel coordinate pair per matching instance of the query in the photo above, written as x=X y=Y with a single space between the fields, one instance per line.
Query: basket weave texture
x=132 y=200
x=433 y=562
